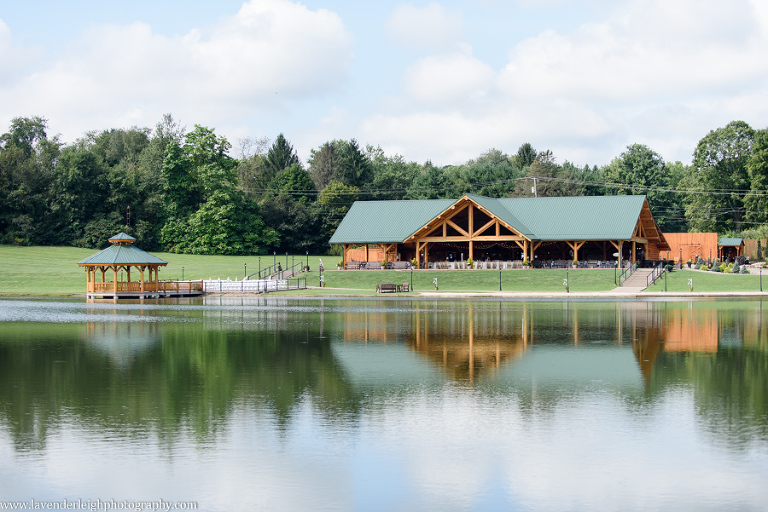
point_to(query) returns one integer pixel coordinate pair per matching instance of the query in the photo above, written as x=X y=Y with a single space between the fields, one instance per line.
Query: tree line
x=183 y=191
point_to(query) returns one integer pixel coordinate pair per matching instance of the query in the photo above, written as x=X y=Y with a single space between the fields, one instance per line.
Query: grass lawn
x=583 y=280
x=53 y=271
x=677 y=281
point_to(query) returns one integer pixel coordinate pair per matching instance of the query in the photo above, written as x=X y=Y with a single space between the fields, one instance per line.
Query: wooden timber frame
x=466 y=221
x=123 y=256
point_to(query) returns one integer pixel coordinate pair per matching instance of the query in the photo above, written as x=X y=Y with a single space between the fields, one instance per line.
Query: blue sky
x=441 y=81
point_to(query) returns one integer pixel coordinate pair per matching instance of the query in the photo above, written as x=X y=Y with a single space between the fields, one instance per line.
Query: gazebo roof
x=730 y=241
x=122 y=253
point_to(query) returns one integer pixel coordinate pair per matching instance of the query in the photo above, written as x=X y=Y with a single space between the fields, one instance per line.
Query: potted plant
x=575 y=263
x=340 y=265
x=689 y=263
x=526 y=263
x=469 y=262
x=384 y=264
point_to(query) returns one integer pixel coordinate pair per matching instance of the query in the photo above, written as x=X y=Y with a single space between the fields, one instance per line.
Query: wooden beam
x=457 y=228
x=489 y=224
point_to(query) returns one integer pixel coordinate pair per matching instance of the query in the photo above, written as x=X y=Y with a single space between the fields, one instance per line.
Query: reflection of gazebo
x=122 y=255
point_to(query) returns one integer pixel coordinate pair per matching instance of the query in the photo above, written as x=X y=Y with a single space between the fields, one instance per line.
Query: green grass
x=473 y=280
x=705 y=282
x=53 y=271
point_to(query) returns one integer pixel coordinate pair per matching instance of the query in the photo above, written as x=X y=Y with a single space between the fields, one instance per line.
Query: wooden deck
x=134 y=290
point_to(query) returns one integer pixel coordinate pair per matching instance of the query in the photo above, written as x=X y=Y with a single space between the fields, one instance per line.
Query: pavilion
x=123 y=256
x=484 y=228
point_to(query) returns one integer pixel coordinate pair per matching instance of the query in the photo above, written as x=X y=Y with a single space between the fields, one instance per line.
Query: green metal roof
x=387 y=221
x=542 y=218
x=577 y=218
x=122 y=236
x=730 y=241
x=121 y=255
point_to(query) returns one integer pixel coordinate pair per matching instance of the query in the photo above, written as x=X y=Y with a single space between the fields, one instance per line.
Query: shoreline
x=416 y=295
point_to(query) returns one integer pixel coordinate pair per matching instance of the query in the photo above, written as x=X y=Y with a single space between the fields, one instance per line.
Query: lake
x=287 y=404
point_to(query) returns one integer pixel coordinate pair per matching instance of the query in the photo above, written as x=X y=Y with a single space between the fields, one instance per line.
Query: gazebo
x=730 y=248
x=121 y=256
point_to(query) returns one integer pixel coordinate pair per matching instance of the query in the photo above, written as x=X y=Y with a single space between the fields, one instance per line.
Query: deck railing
x=135 y=287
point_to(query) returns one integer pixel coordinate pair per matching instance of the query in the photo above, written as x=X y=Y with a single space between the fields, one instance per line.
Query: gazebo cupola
x=122 y=255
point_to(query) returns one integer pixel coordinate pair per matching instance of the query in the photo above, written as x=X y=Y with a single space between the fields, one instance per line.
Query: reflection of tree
x=190 y=380
x=188 y=377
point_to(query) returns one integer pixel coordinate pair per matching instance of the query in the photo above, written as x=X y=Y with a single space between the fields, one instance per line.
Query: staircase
x=637 y=281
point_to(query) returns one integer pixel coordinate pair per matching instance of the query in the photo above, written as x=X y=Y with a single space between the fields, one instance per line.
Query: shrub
x=743 y=270
x=703 y=267
x=735 y=269
x=669 y=268
x=715 y=268
x=469 y=262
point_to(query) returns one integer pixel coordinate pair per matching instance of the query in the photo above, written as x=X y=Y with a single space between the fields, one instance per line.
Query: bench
x=386 y=288
x=405 y=287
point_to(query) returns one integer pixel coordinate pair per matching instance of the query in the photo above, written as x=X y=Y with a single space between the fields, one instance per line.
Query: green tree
x=294 y=181
x=334 y=202
x=81 y=193
x=325 y=163
x=756 y=202
x=392 y=175
x=27 y=159
x=720 y=179
x=492 y=174
x=355 y=167
x=206 y=212
x=640 y=170
x=432 y=183
x=525 y=156
x=280 y=155
x=298 y=224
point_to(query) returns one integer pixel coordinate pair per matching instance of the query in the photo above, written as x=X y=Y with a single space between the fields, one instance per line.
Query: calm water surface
x=378 y=405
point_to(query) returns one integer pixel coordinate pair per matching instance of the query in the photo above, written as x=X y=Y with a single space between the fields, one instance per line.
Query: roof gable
x=542 y=218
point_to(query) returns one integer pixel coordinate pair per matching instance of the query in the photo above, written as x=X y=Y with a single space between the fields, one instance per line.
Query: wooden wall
x=692 y=244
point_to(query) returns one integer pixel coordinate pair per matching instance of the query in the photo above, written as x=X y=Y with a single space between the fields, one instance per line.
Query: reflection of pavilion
x=572 y=340
x=479 y=341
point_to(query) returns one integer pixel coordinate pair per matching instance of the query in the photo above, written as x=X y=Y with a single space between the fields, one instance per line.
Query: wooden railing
x=134 y=287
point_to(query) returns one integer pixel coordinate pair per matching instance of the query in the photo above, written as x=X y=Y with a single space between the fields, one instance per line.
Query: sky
x=441 y=81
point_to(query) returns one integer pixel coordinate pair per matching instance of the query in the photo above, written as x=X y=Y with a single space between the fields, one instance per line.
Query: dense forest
x=184 y=191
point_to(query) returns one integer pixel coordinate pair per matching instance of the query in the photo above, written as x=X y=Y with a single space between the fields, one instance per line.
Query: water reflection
x=453 y=403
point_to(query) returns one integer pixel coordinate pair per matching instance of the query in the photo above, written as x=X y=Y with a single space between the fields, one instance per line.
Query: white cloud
x=430 y=27
x=655 y=72
x=447 y=77
x=270 y=52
